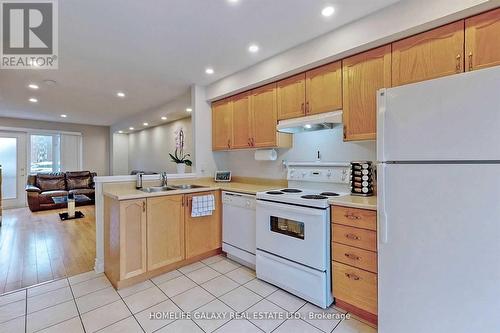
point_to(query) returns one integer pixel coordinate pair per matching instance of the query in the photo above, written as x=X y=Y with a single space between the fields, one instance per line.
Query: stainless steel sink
x=186 y=186
x=154 y=189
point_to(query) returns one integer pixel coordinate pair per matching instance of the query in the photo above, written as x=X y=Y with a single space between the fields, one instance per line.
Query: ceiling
x=153 y=50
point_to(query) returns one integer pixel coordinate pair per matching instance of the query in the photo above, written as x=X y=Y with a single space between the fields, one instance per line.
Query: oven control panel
x=323 y=174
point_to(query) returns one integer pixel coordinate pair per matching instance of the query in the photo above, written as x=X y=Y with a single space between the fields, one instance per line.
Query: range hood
x=314 y=122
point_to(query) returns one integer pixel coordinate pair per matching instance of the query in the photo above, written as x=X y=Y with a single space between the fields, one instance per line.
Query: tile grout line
x=76 y=305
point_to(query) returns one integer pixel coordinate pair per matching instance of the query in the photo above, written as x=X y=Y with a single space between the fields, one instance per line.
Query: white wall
x=120 y=154
x=148 y=149
x=305 y=146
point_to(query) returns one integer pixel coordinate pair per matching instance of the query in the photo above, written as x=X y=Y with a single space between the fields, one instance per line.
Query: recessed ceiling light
x=33 y=86
x=189 y=109
x=64 y=116
x=163 y=118
x=33 y=100
x=121 y=132
x=254 y=48
x=145 y=124
x=233 y=1
x=209 y=71
x=131 y=128
x=328 y=11
x=120 y=94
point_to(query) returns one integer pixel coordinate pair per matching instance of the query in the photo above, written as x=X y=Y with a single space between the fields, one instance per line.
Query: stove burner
x=291 y=190
x=275 y=192
x=329 y=194
x=313 y=196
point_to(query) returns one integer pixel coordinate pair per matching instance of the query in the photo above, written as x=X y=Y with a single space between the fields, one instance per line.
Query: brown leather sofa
x=43 y=186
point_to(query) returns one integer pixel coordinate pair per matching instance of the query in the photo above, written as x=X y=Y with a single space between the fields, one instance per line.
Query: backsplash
x=305 y=146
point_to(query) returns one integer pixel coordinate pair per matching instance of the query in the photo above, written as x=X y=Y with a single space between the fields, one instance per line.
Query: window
x=45 y=153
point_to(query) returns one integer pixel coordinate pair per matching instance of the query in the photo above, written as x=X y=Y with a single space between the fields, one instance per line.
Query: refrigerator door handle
x=382 y=215
x=381 y=106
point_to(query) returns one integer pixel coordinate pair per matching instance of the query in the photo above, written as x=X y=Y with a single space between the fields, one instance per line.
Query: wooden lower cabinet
x=165 y=230
x=203 y=234
x=132 y=238
x=354 y=261
x=147 y=237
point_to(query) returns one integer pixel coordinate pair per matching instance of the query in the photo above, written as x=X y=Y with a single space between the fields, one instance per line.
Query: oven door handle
x=291 y=208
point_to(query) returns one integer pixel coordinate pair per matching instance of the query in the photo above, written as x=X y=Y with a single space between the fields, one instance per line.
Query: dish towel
x=203 y=205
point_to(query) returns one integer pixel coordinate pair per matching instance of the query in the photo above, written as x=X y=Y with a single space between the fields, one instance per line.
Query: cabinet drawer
x=364 y=239
x=355 y=286
x=353 y=256
x=354 y=217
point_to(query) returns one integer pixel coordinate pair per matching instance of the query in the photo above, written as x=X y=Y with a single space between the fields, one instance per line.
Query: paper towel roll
x=266 y=155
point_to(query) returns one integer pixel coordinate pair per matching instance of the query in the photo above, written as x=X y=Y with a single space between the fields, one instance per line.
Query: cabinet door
x=363 y=75
x=222 y=124
x=432 y=54
x=204 y=233
x=132 y=238
x=165 y=230
x=241 y=121
x=291 y=97
x=264 y=116
x=482 y=40
x=324 y=88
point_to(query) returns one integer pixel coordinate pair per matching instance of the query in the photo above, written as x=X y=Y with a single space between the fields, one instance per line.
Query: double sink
x=154 y=189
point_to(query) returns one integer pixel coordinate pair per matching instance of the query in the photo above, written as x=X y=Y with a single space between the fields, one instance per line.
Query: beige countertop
x=355 y=202
x=128 y=193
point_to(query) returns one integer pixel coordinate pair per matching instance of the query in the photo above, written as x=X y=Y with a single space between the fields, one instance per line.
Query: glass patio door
x=13 y=163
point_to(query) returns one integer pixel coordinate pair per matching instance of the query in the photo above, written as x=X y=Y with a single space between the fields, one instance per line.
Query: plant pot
x=181 y=168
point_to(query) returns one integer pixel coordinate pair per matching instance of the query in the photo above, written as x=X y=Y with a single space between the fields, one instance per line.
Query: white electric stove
x=293 y=230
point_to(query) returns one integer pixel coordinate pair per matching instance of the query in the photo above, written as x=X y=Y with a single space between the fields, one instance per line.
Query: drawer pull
x=352 y=236
x=352 y=276
x=351 y=256
x=352 y=217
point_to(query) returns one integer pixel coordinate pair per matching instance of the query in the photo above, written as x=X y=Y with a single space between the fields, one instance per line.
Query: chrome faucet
x=164 y=179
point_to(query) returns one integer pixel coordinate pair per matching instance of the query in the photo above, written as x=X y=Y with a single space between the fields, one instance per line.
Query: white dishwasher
x=238 y=227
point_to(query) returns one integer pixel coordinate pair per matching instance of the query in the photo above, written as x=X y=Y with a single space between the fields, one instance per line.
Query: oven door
x=300 y=234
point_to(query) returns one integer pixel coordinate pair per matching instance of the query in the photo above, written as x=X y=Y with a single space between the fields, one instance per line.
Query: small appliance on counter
x=222 y=176
x=362 y=178
x=138 y=180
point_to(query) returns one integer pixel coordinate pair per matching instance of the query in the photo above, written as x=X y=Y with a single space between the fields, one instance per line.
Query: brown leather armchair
x=42 y=187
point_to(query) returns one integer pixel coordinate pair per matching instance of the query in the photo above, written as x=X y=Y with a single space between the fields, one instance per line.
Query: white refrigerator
x=438 y=148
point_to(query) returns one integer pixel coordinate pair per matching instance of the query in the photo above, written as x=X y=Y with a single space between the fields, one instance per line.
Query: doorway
x=13 y=163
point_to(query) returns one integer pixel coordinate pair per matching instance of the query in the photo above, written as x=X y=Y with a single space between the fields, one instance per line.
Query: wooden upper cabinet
x=363 y=75
x=265 y=116
x=222 y=118
x=435 y=53
x=242 y=121
x=132 y=238
x=165 y=230
x=204 y=233
x=291 y=97
x=482 y=40
x=324 y=88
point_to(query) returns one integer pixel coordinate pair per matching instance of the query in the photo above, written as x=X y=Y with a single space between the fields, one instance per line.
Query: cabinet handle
x=458 y=62
x=144 y=206
x=345 y=130
x=228 y=143
x=302 y=108
x=352 y=276
x=352 y=236
x=351 y=256
x=352 y=217
x=307 y=107
x=470 y=60
x=249 y=141
x=252 y=140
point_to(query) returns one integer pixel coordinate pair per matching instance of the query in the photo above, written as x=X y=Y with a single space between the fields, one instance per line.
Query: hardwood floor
x=38 y=247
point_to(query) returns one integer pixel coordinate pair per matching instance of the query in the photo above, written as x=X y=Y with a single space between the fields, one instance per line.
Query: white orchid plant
x=178 y=156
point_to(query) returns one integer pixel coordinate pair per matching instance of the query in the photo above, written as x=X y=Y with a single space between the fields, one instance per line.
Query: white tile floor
x=88 y=303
